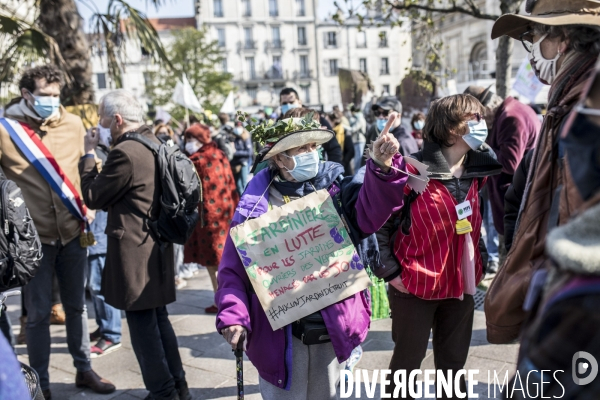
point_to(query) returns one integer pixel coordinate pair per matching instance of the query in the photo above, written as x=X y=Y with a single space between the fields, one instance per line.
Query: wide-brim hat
x=297 y=139
x=548 y=12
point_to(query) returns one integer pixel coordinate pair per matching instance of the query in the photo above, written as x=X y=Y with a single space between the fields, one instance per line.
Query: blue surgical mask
x=419 y=125
x=477 y=134
x=45 y=106
x=286 y=107
x=306 y=166
x=381 y=124
x=238 y=130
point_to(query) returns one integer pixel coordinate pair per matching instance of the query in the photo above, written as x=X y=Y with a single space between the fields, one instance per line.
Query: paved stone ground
x=210 y=364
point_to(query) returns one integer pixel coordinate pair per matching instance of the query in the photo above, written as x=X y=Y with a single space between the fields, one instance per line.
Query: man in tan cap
x=563 y=39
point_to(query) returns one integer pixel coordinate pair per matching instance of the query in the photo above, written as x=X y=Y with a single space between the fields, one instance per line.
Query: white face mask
x=105 y=136
x=544 y=69
x=192 y=146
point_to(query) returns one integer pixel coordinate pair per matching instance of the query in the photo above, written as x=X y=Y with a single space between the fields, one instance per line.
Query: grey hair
x=122 y=102
x=582 y=38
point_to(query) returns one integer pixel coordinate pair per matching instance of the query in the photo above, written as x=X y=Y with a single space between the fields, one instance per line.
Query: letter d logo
x=581 y=368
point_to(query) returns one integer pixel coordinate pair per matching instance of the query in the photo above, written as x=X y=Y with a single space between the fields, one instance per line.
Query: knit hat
x=199 y=132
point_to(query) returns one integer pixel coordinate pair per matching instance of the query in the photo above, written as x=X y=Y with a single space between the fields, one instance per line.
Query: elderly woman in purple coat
x=288 y=367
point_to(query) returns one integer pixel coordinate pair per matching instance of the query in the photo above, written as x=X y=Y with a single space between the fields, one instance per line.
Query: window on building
x=276 y=37
x=273 y=9
x=300 y=9
x=333 y=67
x=277 y=68
x=361 y=39
x=101 y=80
x=252 y=92
x=304 y=70
x=218 y=8
x=306 y=94
x=385 y=69
x=386 y=90
x=331 y=39
x=301 y=36
x=221 y=37
x=250 y=70
x=362 y=65
x=248 y=38
x=224 y=65
x=246 y=8
x=383 y=42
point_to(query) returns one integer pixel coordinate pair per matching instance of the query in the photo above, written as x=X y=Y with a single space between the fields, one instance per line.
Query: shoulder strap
x=143 y=140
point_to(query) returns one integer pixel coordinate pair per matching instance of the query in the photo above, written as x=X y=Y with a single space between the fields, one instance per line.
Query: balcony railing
x=383 y=43
x=384 y=71
x=303 y=74
x=274 y=13
x=247 y=45
x=275 y=44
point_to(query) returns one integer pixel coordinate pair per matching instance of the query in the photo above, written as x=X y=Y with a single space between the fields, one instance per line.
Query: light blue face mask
x=45 y=106
x=477 y=134
x=286 y=107
x=306 y=166
x=381 y=124
x=419 y=125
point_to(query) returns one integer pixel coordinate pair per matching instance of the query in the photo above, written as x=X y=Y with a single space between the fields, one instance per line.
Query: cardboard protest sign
x=299 y=258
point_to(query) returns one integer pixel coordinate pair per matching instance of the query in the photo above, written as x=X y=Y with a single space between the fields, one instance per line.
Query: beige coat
x=63 y=136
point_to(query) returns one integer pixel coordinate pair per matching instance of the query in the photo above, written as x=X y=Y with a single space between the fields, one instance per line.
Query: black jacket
x=331 y=148
x=513 y=198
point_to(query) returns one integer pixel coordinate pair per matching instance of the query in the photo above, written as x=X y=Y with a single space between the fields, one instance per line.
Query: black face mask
x=582 y=145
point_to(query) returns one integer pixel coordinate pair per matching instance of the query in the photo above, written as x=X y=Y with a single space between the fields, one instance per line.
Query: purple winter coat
x=347 y=321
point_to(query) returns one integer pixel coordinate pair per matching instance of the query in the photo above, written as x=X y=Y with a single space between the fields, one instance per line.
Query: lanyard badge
x=464 y=210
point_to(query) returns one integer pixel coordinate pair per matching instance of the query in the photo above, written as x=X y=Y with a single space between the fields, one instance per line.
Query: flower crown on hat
x=271 y=131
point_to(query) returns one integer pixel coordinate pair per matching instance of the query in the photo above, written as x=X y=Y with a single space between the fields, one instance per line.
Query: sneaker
x=211 y=310
x=103 y=347
x=492 y=267
x=180 y=283
x=355 y=357
x=96 y=335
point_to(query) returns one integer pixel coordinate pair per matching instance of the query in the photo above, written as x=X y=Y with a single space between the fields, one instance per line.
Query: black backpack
x=181 y=191
x=20 y=246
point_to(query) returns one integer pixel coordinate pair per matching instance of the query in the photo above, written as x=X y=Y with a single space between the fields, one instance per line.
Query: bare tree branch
x=473 y=10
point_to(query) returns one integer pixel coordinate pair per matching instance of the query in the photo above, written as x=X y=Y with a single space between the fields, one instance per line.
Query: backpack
x=181 y=191
x=20 y=246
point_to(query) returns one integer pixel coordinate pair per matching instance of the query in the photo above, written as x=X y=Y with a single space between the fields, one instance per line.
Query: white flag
x=228 y=106
x=161 y=113
x=184 y=96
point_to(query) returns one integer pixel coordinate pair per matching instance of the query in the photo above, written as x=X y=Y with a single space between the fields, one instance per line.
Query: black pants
x=412 y=321
x=155 y=346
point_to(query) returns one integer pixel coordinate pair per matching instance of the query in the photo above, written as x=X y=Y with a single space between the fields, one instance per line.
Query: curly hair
x=48 y=72
x=450 y=115
x=582 y=38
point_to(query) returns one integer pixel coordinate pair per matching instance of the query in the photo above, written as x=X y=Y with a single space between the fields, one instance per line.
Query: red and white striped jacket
x=431 y=254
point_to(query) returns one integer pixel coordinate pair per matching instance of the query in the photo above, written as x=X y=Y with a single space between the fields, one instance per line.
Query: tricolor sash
x=38 y=155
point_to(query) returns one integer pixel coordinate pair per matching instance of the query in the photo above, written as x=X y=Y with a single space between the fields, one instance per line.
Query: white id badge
x=464 y=210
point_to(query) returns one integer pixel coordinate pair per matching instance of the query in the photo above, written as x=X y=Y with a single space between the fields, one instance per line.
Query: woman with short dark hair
x=435 y=262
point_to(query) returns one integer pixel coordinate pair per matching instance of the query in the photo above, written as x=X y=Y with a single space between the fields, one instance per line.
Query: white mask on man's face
x=544 y=69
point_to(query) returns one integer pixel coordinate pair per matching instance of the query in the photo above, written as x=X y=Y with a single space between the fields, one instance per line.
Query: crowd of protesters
x=532 y=189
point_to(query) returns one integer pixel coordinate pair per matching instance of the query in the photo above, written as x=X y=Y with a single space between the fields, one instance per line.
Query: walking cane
x=239 y=367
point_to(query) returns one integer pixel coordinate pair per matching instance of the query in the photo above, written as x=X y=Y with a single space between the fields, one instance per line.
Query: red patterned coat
x=206 y=244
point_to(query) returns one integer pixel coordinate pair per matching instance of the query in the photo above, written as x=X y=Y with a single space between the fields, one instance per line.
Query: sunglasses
x=477 y=116
x=383 y=113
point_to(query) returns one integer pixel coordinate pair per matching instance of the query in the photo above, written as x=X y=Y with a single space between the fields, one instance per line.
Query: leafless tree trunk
x=61 y=20
x=503 y=65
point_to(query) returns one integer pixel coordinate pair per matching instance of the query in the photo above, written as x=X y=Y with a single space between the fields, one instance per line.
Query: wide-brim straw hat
x=548 y=12
x=297 y=139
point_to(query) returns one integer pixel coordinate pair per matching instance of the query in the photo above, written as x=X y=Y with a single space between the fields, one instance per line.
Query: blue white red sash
x=38 y=155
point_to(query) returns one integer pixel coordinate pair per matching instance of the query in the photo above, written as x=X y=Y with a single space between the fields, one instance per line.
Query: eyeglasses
x=383 y=113
x=477 y=116
x=526 y=39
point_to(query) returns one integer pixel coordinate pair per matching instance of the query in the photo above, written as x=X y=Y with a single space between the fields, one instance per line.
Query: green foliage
x=195 y=55
x=270 y=131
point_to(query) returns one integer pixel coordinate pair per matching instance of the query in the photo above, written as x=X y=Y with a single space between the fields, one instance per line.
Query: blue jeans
x=358 y=155
x=108 y=318
x=6 y=327
x=491 y=235
x=70 y=263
